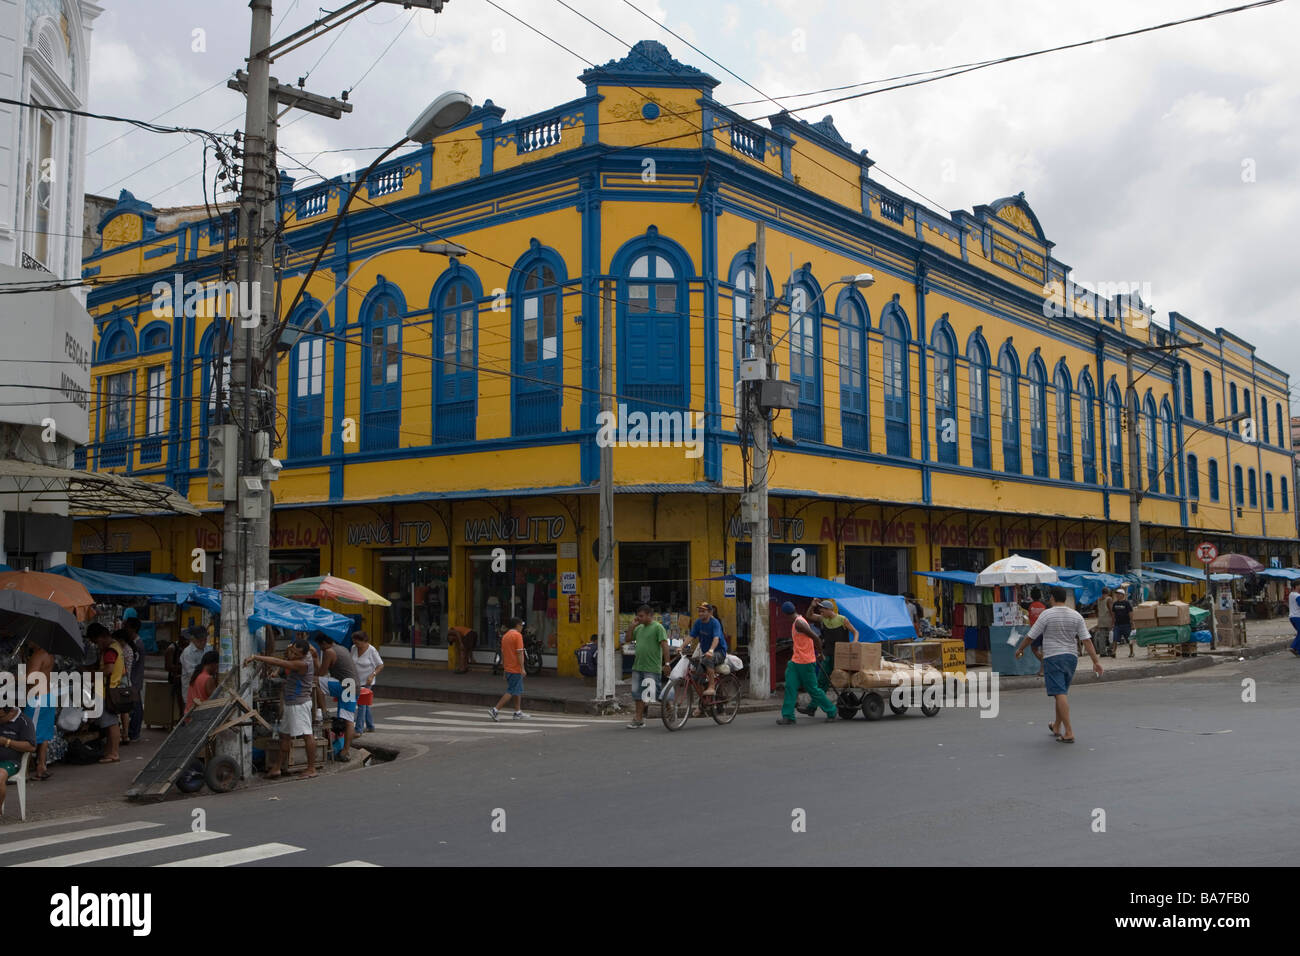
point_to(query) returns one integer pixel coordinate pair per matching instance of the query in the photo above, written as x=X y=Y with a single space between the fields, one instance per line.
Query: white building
x=44 y=368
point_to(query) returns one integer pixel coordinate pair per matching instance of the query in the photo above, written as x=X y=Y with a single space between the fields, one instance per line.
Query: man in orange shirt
x=512 y=659
x=801 y=672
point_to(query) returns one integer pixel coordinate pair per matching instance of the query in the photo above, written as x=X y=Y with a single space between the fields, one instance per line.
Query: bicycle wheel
x=726 y=699
x=676 y=704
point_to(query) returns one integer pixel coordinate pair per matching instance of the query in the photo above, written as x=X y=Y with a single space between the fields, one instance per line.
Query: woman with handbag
x=112 y=664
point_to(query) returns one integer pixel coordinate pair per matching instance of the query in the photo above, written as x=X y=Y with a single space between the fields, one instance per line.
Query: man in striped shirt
x=1060 y=627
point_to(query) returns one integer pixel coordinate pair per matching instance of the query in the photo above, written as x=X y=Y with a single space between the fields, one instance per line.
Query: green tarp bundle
x=1163 y=635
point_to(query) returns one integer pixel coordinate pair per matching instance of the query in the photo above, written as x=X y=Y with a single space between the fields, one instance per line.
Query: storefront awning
x=878 y=617
x=957 y=577
x=284 y=613
x=107 y=584
x=1286 y=574
x=90 y=492
x=1184 y=571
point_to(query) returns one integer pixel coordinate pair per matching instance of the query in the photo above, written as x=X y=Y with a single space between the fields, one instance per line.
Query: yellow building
x=966 y=405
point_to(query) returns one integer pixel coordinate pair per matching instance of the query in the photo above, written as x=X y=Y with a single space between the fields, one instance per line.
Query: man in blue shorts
x=1062 y=628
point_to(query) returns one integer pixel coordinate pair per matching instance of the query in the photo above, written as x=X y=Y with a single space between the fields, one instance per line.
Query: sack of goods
x=735 y=663
x=840 y=679
x=680 y=669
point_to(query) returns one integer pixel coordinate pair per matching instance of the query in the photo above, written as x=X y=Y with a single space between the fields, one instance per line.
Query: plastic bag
x=735 y=663
x=680 y=669
x=70 y=719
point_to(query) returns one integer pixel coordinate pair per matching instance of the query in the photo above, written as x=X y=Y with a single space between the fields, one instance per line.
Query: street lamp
x=863 y=280
x=439 y=116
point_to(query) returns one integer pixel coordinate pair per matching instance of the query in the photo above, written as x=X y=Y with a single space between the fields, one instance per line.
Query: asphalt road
x=1184 y=770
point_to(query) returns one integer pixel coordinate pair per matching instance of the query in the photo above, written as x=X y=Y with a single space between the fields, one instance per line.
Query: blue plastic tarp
x=284 y=613
x=957 y=577
x=1286 y=574
x=877 y=617
x=106 y=584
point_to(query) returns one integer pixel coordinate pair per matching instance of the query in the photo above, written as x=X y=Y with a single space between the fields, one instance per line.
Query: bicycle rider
x=707 y=629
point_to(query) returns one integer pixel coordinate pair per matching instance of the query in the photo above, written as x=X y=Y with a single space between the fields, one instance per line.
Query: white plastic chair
x=21 y=783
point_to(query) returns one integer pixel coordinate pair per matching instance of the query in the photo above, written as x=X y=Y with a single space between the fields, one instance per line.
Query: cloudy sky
x=1170 y=158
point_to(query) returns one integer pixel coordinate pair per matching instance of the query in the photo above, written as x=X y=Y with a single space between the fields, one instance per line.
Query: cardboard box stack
x=1144 y=615
x=853 y=656
x=1173 y=614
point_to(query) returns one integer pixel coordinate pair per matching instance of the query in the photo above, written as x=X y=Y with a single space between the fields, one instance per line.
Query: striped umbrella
x=328 y=587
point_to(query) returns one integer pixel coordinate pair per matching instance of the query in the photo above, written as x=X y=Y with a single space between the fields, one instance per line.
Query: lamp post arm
x=820 y=295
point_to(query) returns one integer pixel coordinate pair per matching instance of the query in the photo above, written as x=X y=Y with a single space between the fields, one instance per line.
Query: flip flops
x=1065 y=740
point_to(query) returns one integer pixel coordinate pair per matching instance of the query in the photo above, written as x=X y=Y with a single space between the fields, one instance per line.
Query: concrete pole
x=760 y=679
x=238 y=562
x=1135 y=477
x=607 y=674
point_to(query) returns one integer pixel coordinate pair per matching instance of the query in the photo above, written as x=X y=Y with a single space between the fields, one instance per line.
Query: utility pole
x=605 y=668
x=759 y=427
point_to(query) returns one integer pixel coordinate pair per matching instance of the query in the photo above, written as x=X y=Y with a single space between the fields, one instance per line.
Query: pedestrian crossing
x=459 y=723
x=118 y=844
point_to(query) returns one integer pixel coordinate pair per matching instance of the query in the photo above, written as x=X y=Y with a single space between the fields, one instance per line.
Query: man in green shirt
x=647 y=668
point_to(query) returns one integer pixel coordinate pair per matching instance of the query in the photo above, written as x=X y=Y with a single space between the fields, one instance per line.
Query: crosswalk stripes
x=265 y=851
x=458 y=729
x=31 y=851
x=476 y=723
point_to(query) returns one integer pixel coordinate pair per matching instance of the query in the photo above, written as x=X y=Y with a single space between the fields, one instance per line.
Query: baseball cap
x=129 y=613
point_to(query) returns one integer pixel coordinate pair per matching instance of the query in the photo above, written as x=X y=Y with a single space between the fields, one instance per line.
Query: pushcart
x=871 y=701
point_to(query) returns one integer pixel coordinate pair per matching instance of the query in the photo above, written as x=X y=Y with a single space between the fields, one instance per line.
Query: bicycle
x=532 y=655
x=677 y=701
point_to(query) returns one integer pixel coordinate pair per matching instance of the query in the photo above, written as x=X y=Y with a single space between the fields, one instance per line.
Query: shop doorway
x=416 y=583
x=291 y=565
x=964 y=559
x=526 y=588
x=884 y=570
x=654 y=573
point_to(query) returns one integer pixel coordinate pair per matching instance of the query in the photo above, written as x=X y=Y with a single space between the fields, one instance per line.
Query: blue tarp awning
x=106 y=584
x=957 y=577
x=284 y=613
x=1148 y=574
x=1286 y=574
x=1184 y=571
x=877 y=617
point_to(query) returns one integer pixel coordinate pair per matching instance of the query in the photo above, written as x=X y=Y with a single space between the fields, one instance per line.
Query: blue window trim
x=855 y=427
x=1281 y=433
x=118 y=442
x=151 y=443
x=1038 y=410
x=298 y=421
x=1239 y=481
x=1088 y=432
x=977 y=357
x=1263 y=419
x=110 y=333
x=1232 y=406
x=1193 y=477
x=1151 y=442
x=375 y=438
x=536 y=255
x=806 y=421
x=1189 y=405
x=1212 y=476
x=1253 y=484
x=455 y=273
x=653 y=244
x=1207 y=378
x=944 y=343
x=1061 y=380
x=1269 y=500
x=1166 y=439
x=1010 y=435
x=149 y=331
x=1282 y=486
x=898 y=429
x=741 y=260
x=206 y=356
x=1114 y=450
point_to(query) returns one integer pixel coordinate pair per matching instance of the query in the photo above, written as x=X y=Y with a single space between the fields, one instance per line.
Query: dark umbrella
x=42 y=622
x=1233 y=563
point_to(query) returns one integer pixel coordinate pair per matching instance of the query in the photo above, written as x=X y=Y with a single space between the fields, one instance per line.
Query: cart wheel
x=899 y=709
x=676 y=703
x=873 y=706
x=191 y=778
x=930 y=710
x=221 y=774
x=847 y=711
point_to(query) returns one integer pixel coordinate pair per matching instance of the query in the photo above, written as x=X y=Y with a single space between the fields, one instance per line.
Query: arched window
x=118 y=345
x=855 y=425
x=1212 y=476
x=805 y=362
x=1208 y=381
x=455 y=369
x=653 y=345
x=381 y=381
x=741 y=347
x=1193 y=478
x=1268 y=490
x=1263 y=419
x=155 y=337
x=1088 y=427
x=978 y=357
x=1281 y=480
x=1254 y=491
x=1167 y=444
x=536 y=346
x=306 y=386
x=1064 y=430
x=1249 y=409
x=119 y=417
x=1232 y=404
x=1189 y=408
x=1277 y=417
x=1150 y=448
x=214 y=382
x=945 y=395
x=898 y=437
x=1115 y=435
x=1038 y=416
x=1239 y=484
x=1009 y=373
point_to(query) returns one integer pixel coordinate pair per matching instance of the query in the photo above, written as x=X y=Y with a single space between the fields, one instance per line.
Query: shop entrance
x=964 y=559
x=877 y=569
x=526 y=588
x=291 y=565
x=416 y=583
